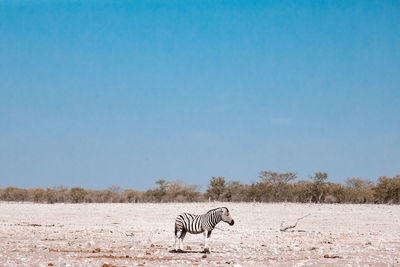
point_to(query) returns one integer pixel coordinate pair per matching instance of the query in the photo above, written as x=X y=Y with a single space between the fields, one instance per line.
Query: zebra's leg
x=178 y=240
x=206 y=235
x=181 y=241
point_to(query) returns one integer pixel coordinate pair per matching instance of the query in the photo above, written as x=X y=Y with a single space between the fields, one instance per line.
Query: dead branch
x=326 y=256
x=284 y=228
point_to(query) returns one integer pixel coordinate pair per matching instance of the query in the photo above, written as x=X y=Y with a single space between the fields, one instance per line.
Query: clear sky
x=94 y=93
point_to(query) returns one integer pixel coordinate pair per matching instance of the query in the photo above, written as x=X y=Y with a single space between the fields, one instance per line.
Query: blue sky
x=94 y=93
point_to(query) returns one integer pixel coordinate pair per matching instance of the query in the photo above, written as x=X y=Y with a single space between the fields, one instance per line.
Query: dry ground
x=142 y=234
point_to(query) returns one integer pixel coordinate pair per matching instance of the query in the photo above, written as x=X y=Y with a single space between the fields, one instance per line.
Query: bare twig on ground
x=326 y=256
x=284 y=228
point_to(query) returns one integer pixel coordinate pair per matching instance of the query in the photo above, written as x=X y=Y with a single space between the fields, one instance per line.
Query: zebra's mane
x=218 y=209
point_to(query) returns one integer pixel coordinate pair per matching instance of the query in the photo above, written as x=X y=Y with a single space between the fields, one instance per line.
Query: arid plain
x=142 y=235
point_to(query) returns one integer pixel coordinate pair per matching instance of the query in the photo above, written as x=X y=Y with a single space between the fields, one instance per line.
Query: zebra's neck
x=215 y=218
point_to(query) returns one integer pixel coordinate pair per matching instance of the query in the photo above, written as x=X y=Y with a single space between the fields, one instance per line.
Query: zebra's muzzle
x=232 y=222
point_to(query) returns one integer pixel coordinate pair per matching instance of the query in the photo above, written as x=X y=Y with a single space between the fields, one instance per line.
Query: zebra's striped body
x=196 y=224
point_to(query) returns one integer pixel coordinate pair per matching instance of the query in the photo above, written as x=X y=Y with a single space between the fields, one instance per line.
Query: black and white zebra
x=196 y=224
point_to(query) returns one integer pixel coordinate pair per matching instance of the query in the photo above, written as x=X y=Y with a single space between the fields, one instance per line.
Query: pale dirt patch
x=142 y=235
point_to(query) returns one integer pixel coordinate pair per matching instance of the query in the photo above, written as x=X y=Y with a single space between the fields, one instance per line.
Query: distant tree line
x=271 y=187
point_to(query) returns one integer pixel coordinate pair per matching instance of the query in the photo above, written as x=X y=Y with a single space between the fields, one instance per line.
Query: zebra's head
x=226 y=217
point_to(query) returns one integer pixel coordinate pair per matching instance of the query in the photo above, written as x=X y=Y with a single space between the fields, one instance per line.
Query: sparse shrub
x=178 y=192
x=150 y=195
x=94 y=196
x=61 y=193
x=234 y=191
x=302 y=191
x=160 y=192
x=132 y=196
x=279 y=183
x=388 y=190
x=359 y=191
x=77 y=194
x=260 y=192
x=319 y=186
x=105 y=196
x=272 y=187
x=14 y=194
x=37 y=194
x=216 y=188
x=336 y=192
x=50 y=196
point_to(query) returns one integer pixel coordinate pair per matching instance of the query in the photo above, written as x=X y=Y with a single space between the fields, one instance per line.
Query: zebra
x=196 y=224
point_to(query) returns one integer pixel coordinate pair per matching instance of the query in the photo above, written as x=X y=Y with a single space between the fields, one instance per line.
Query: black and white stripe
x=196 y=224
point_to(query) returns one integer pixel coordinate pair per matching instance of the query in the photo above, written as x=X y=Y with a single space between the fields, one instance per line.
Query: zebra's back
x=189 y=223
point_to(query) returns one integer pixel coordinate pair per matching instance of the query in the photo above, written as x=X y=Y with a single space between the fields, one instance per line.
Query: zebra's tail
x=176 y=226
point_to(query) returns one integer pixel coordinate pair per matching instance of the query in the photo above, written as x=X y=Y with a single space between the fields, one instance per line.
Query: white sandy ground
x=142 y=235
